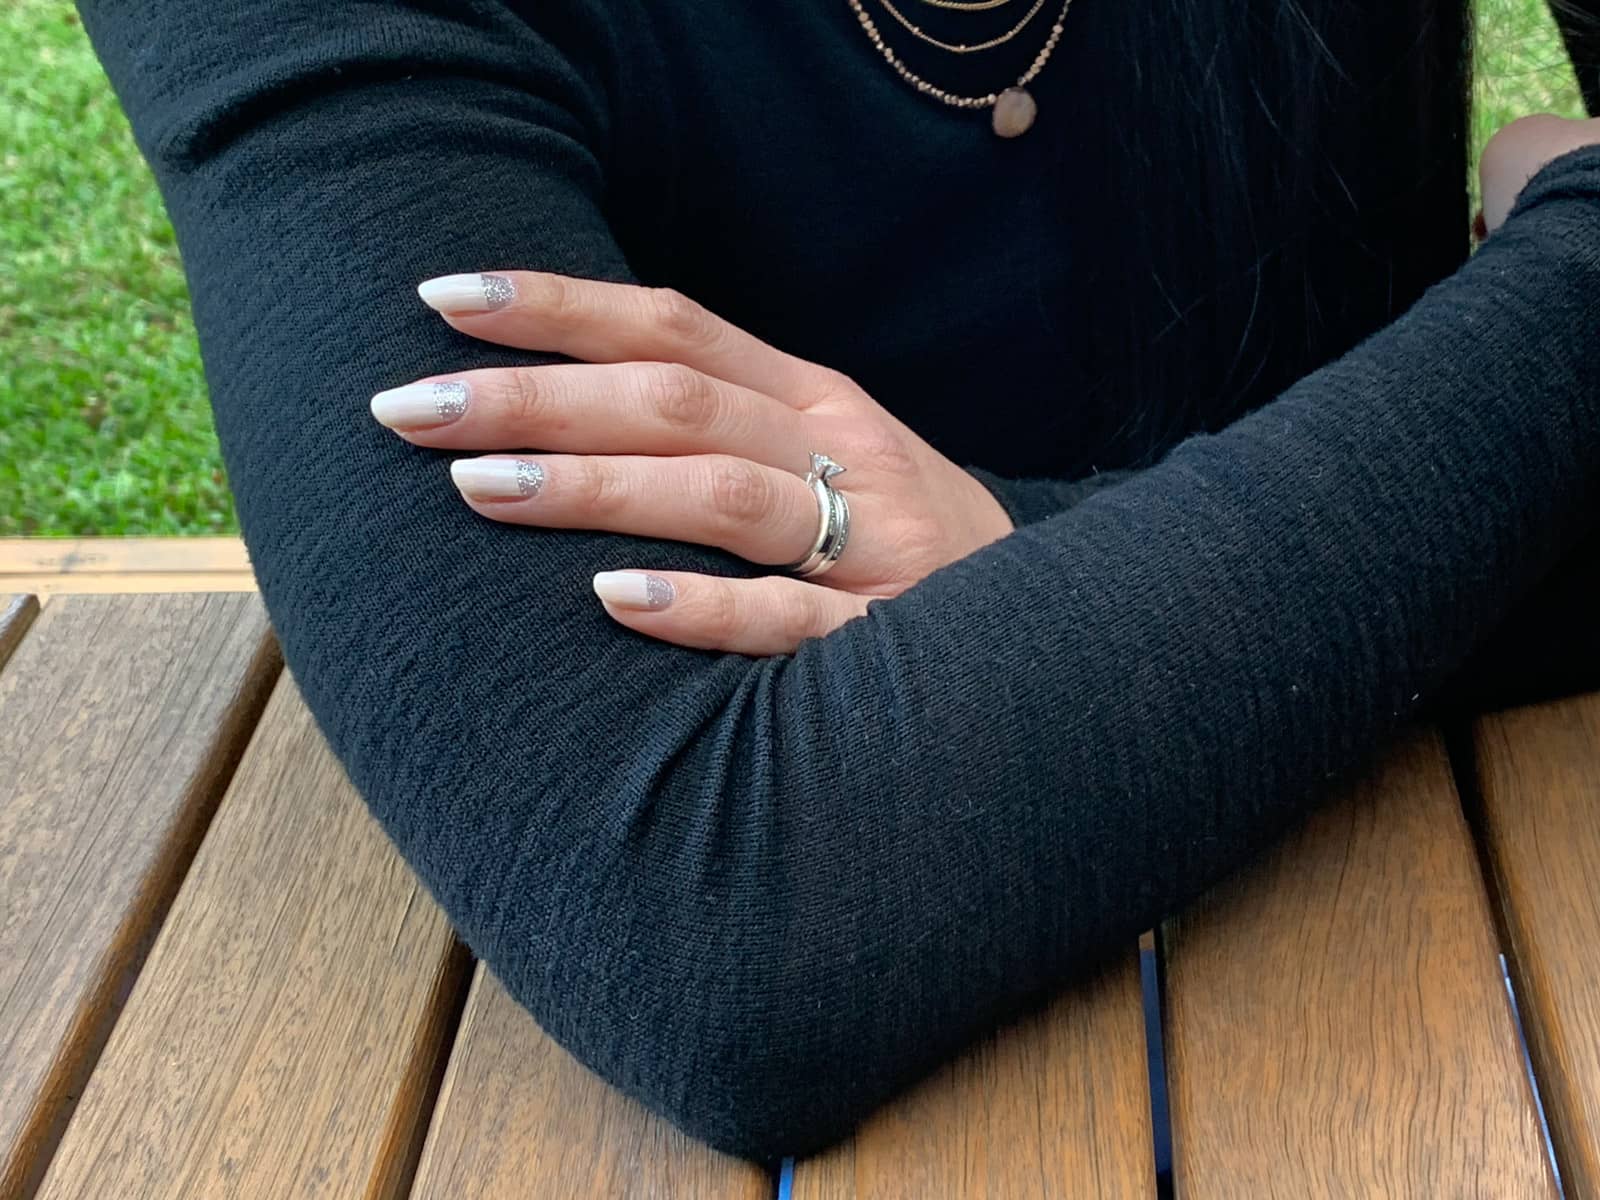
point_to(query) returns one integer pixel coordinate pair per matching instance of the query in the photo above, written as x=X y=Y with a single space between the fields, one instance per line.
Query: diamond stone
x=823 y=467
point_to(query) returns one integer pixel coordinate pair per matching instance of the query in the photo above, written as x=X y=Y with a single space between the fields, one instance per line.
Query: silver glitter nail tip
x=530 y=477
x=449 y=400
x=498 y=291
x=659 y=592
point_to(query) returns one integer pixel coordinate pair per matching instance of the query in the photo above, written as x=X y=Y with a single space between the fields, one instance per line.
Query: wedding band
x=833 y=518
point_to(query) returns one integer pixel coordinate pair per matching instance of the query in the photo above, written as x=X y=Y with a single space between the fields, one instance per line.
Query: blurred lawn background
x=104 y=426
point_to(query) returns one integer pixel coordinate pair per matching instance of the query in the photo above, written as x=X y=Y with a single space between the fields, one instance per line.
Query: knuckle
x=526 y=398
x=886 y=450
x=719 y=609
x=597 y=488
x=679 y=317
x=833 y=383
x=798 y=611
x=679 y=395
x=560 y=300
x=740 y=493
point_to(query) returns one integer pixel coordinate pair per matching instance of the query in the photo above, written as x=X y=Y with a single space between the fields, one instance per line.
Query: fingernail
x=420 y=405
x=497 y=478
x=467 y=293
x=634 y=589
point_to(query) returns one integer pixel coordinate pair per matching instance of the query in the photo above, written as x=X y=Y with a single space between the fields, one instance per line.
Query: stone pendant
x=1014 y=112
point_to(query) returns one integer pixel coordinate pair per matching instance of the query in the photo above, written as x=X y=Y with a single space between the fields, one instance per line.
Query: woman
x=1159 y=519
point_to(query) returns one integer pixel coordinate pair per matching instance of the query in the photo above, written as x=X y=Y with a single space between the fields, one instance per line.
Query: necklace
x=958 y=48
x=1014 y=108
x=967 y=5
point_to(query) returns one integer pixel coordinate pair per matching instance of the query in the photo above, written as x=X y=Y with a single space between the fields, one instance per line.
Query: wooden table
x=218 y=979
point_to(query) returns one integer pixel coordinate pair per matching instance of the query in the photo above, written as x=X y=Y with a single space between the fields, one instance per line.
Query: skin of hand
x=1515 y=154
x=673 y=423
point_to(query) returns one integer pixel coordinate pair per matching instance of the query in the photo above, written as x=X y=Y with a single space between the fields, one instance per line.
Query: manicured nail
x=467 y=293
x=634 y=589
x=497 y=478
x=420 y=405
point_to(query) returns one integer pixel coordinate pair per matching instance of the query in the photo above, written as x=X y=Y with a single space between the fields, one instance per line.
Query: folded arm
x=763 y=894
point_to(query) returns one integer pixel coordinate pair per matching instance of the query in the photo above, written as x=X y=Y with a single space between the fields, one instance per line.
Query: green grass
x=104 y=427
x=1521 y=66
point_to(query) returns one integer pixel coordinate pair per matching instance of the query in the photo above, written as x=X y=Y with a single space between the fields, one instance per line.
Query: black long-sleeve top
x=761 y=895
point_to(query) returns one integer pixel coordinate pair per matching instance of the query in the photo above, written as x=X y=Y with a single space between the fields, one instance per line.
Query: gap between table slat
x=121 y=720
x=281 y=1038
x=16 y=616
x=518 y=1116
x=1536 y=772
x=1336 y=1023
x=1055 y=1105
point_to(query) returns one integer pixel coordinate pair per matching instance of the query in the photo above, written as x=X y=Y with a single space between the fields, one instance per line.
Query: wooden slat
x=120 y=720
x=285 y=1033
x=79 y=566
x=518 y=1116
x=124 y=583
x=1057 y=1105
x=1337 y=1024
x=101 y=556
x=1539 y=775
x=16 y=615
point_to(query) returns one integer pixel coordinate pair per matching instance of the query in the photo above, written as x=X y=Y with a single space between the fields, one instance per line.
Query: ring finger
x=636 y=407
x=760 y=513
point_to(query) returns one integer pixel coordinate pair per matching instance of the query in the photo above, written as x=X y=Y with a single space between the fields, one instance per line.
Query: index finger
x=601 y=322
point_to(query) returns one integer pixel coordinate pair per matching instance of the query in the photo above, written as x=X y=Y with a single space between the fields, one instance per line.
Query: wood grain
x=16 y=616
x=1337 y=1024
x=285 y=1033
x=1539 y=777
x=78 y=566
x=120 y=722
x=101 y=556
x=77 y=583
x=519 y=1116
x=1057 y=1105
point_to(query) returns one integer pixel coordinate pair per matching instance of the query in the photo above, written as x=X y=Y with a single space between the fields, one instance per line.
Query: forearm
x=1030 y=500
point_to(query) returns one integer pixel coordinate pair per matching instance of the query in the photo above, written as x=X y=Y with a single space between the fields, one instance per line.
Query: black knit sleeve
x=1547 y=647
x=1034 y=499
x=761 y=895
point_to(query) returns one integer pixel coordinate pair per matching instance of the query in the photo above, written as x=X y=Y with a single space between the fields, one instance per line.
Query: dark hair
x=1579 y=21
x=1288 y=175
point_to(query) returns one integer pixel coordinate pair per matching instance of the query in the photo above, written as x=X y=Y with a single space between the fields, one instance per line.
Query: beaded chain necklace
x=1014 y=108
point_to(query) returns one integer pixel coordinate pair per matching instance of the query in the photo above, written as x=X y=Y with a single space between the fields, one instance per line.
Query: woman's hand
x=1515 y=154
x=676 y=424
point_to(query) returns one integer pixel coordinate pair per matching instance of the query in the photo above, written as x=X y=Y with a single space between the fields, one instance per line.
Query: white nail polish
x=420 y=405
x=453 y=294
x=634 y=589
x=497 y=478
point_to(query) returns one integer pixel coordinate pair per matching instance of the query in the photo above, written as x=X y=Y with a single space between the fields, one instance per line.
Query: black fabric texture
x=763 y=895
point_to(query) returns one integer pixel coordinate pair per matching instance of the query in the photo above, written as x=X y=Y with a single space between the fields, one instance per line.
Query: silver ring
x=833 y=518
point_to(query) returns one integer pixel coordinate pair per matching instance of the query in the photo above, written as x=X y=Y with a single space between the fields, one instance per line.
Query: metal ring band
x=833 y=518
x=829 y=511
x=825 y=518
x=840 y=531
